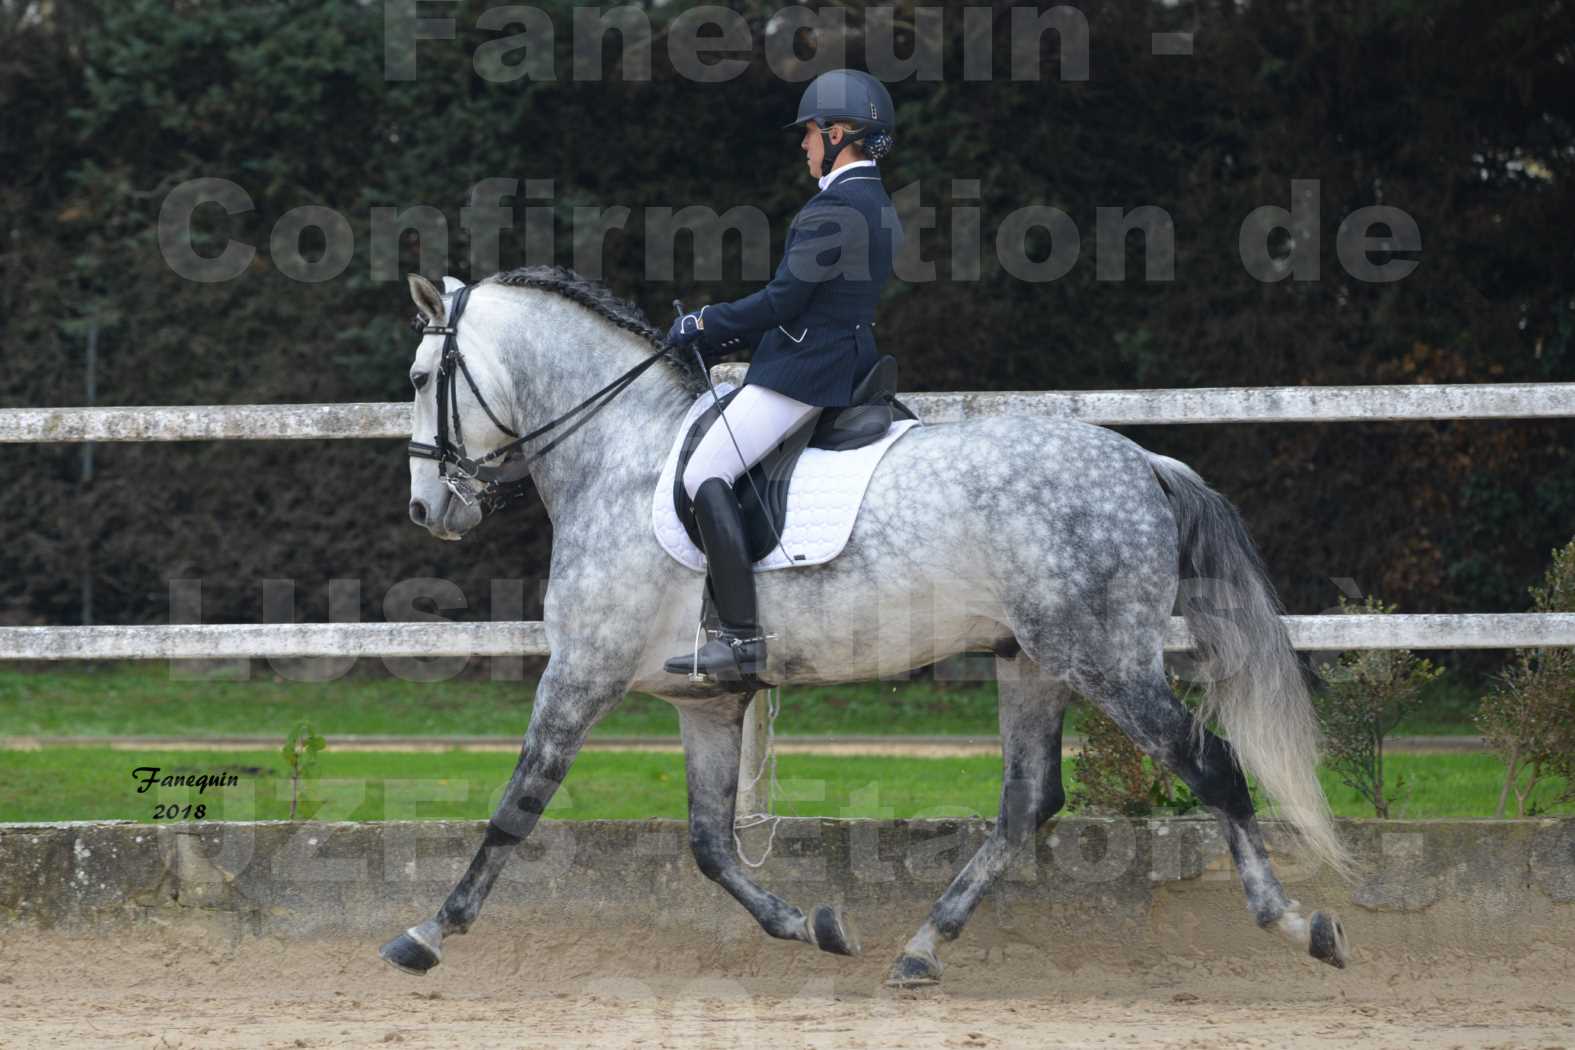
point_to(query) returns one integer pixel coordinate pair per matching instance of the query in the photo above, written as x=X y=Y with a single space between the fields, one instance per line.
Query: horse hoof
x=1326 y=942
x=914 y=970
x=834 y=933
x=416 y=950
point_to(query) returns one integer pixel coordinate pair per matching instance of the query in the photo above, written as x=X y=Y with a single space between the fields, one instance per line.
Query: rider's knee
x=697 y=474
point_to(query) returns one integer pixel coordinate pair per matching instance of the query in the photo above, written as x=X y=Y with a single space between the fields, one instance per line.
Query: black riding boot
x=739 y=651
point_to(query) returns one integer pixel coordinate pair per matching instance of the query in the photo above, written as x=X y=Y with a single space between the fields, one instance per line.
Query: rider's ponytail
x=877 y=144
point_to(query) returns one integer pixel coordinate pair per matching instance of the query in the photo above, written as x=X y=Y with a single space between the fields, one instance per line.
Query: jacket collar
x=827 y=180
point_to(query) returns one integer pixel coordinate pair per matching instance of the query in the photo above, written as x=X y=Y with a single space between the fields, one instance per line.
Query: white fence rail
x=1289 y=404
x=216 y=641
x=529 y=638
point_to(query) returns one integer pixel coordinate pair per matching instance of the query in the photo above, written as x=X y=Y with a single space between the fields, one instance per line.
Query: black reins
x=502 y=484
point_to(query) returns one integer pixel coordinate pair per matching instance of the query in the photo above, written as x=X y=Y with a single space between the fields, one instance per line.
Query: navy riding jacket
x=814 y=322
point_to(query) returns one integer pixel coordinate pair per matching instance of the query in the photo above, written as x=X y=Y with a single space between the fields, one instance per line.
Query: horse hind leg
x=1032 y=708
x=712 y=738
x=1151 y=716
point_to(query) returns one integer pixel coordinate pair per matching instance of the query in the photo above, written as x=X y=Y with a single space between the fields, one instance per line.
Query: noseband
x=501 y=476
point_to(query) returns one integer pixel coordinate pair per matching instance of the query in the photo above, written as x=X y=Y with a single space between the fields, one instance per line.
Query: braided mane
x=595 y=296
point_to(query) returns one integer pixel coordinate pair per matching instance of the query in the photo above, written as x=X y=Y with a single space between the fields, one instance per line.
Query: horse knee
x=712 y=856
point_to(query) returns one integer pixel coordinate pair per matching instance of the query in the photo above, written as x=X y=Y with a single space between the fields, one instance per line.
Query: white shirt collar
x=827 y=180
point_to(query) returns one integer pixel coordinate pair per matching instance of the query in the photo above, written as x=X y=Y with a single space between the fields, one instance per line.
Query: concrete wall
x=1113 y=888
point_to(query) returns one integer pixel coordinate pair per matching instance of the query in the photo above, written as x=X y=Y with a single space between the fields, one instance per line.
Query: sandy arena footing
x=604 y=934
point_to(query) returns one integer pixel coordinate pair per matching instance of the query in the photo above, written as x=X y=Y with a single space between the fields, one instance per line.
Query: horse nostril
x=418 y=511
x=419 y=380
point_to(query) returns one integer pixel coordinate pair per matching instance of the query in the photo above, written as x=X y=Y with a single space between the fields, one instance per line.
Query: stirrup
x=727 y=657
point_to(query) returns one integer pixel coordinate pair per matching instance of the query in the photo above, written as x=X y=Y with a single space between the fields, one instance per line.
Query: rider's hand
x=685 y=330
x=713 y=354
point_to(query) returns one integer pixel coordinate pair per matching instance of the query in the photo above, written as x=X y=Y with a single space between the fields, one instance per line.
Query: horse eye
x=419 y=380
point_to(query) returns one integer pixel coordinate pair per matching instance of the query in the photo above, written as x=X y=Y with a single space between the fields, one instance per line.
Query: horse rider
x=814 y=340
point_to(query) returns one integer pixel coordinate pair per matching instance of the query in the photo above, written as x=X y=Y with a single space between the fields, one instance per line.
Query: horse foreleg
x=1032 y=707
x=561 y=718
x=712 y=737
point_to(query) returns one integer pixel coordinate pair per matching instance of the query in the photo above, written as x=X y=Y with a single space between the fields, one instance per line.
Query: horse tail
x=1256 y=688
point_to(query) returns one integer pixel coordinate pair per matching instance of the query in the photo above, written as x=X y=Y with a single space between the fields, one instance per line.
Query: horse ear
x=451 y=284
x=427 y=298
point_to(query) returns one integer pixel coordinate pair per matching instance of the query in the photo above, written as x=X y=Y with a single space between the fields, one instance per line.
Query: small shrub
x=1110 y=774
x=300 y=754
x=1529 y=716
x=1366 y=694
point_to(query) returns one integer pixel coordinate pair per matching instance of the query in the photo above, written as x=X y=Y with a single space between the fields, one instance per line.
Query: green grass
x=1424 y=786
x=97 y=784
x=144 y=699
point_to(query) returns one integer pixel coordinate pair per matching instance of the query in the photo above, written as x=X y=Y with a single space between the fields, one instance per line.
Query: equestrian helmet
x=847 y=94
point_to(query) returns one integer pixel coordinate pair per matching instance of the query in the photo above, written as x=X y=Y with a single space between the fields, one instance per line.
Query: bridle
x=501 y=476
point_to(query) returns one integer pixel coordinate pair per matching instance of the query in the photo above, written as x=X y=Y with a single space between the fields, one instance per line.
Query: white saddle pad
x=822 y=503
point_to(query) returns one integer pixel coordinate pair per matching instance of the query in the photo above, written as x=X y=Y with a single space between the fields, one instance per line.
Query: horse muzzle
x=447 y=518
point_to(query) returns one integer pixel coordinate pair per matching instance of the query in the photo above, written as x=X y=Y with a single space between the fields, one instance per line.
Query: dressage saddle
x=873 y=410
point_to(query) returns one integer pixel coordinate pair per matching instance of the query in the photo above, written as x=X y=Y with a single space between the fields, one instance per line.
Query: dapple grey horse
x=1058 y=545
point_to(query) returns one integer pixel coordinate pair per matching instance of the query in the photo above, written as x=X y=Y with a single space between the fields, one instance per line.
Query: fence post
x=85 y=475
x=756 y=797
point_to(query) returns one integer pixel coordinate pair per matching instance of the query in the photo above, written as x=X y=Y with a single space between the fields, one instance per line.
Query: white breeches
x=759 y=418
